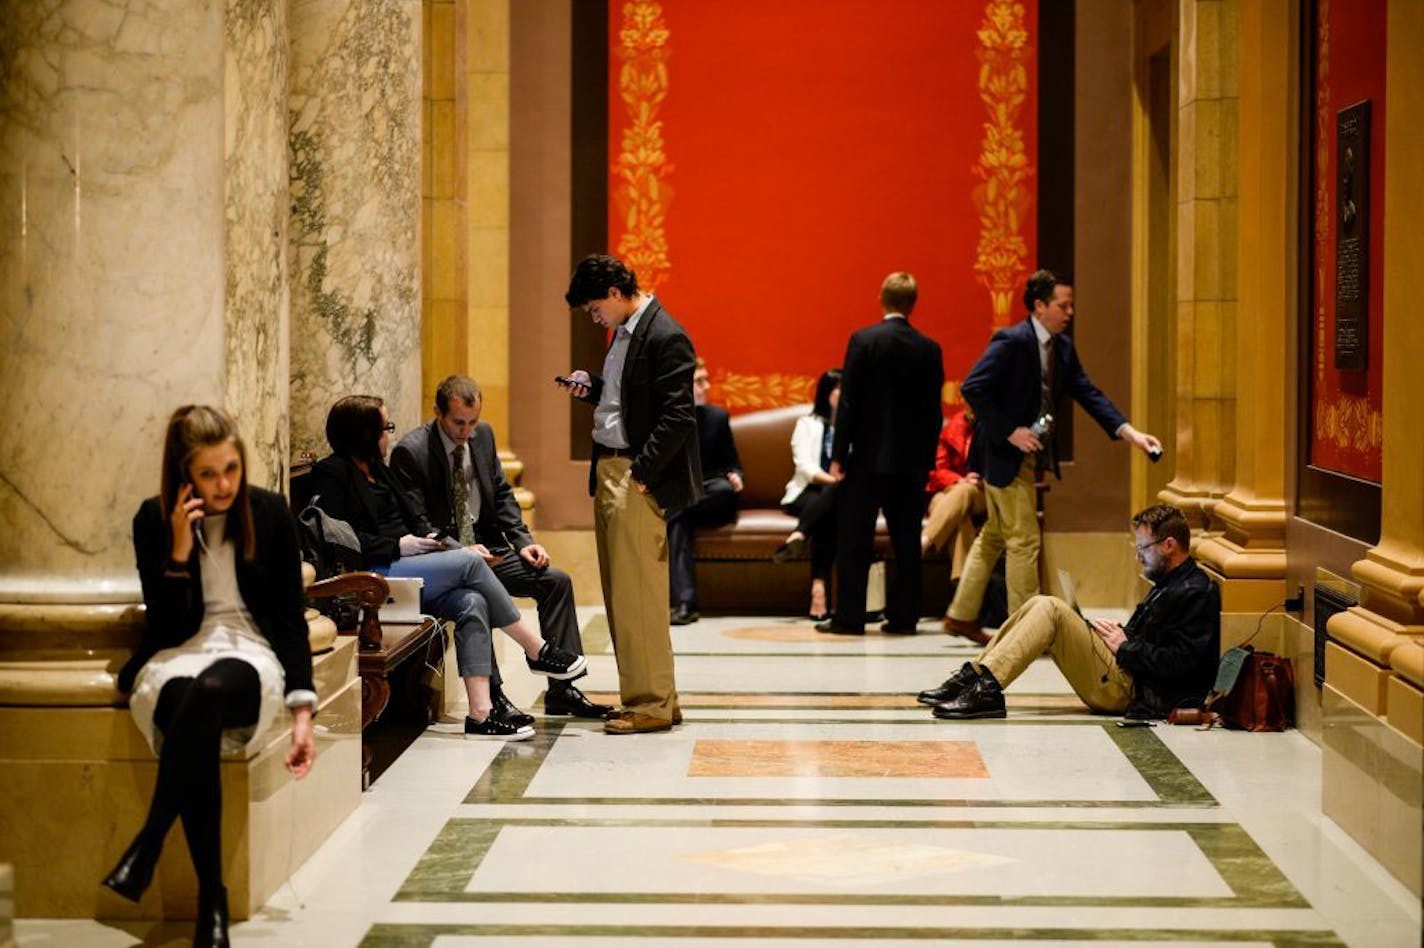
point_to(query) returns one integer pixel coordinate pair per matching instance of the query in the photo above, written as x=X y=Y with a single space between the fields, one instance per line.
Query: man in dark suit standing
x=450 y=471
x=887 y=426
x=645 y=465
x=721 y=482
x=1013 y=389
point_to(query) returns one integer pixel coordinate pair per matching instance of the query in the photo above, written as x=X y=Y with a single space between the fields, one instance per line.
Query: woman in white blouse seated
x=811 y=493
x=225 y=650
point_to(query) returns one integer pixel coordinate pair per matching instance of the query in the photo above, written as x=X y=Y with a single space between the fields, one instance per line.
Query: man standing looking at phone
x=449 y=469
x=646 y=463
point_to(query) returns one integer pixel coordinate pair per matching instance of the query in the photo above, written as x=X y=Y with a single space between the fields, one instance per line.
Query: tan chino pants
x=948 y=520
x=1012 y=531
x=633 y=564
x=1047 y=622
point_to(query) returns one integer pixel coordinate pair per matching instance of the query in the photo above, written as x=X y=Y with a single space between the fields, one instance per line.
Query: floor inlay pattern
x=808 y=799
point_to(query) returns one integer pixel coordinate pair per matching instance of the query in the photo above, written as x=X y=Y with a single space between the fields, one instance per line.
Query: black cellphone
x=1136 y=722
x=565 y=381
x=199 y=537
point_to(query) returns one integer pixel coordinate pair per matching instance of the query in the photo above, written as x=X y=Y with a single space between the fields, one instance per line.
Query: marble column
x=111 y=288
x=1206 y=294
x=355 y=148
x=257 y=346
x=1250 y=552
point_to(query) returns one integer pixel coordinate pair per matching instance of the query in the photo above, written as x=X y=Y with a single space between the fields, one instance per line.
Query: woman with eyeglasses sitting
x=354 y=484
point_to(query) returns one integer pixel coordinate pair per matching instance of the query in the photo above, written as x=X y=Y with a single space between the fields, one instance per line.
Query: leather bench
x=735 y=572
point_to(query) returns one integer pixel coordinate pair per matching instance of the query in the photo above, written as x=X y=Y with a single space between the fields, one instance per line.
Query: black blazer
x=422 y=469
x=715 y=443
x=271 y=588
x=657 y=410
x=1004 y=389
x=1173 y=642
x=889 y=415
x=339 y=488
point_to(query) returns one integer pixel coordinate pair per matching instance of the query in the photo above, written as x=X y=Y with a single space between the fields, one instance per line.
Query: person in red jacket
x=956 y=492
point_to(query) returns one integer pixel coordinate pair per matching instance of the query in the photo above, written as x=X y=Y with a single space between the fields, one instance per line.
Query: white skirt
x=216 y=639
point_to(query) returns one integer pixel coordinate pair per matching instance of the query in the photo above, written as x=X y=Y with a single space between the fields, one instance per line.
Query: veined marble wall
x=111 y=274
x=355 y=108
x=257 y=200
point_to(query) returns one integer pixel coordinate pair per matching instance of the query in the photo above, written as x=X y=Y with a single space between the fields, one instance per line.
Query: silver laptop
x=1070 y=592
x=403 y=604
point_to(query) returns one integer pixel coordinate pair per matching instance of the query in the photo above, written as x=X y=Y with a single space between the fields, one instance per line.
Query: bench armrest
x=371 y=591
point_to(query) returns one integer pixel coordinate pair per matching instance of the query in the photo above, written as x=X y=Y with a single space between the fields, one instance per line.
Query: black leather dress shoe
x=830 y=626
x=889 y=629
x=951 y=687
x=571 y=702
x=683 y=614
x=504 y=709
x=982 y=699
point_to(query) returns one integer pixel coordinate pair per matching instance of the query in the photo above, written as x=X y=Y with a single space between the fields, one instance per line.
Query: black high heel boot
x=130 y=878
x=210 y=931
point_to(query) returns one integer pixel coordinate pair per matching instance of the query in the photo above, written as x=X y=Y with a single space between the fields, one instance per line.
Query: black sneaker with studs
x=493 y=728
x=556 y=663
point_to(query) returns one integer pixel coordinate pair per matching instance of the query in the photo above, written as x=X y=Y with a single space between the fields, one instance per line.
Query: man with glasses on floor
x=1166 y=654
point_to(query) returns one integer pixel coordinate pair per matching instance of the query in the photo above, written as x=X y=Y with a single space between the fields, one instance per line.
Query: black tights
x=192 y=713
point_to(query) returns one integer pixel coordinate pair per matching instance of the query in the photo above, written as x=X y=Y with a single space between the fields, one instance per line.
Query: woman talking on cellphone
x=225 y=648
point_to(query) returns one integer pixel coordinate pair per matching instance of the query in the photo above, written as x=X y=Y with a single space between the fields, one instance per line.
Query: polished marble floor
x=808 y=800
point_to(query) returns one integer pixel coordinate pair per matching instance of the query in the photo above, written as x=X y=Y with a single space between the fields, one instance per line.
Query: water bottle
x=1043 y=426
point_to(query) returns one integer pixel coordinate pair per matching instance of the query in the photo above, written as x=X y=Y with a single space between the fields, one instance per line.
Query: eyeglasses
x=389 y=426
x=1144 y=547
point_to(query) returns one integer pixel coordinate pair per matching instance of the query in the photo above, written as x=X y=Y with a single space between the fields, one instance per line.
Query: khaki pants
x=949 y=516
x=632 y=561
x=1011 y=530
x=1046 y=622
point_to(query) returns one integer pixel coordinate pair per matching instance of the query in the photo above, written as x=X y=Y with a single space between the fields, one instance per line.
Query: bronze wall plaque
x=1352 y=237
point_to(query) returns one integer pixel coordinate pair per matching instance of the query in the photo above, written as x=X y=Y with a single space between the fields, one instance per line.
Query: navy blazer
x=271 y=588
x=1004 y=389
x=658 y=415
x=715 y=442
x=421 y=467
x=889 y=415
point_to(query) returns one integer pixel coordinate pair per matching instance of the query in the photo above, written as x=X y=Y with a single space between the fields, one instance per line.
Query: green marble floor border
x=445 y=870
x=507 y=778
x=386 y=935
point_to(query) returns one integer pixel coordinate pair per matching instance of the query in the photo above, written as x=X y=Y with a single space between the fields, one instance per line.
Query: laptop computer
x=1070 y=592
x=403 y=603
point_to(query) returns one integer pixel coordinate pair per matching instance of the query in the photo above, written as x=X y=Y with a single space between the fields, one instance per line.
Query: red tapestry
x=1347 y=430
x=771 y=162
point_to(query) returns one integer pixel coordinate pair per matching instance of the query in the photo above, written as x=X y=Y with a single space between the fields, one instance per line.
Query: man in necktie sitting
x=1166 y=654
x=450 y=470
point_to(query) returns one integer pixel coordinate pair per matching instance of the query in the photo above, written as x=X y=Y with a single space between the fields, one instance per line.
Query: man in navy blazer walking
x=1013 y=389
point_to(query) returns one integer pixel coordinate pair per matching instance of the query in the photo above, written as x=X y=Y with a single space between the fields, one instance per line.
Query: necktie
x=1050 y=377
x=462 y=495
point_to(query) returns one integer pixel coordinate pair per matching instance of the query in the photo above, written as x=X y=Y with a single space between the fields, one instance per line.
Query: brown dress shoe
x=968 y=630
x=632 y=722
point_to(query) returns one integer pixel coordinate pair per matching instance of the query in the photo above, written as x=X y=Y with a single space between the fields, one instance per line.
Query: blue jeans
x=461 y=587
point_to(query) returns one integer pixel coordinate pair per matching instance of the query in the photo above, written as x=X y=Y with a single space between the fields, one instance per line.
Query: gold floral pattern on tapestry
x=1004 y=200
x=641 y=193
x=739 y=391
x=1350 y=424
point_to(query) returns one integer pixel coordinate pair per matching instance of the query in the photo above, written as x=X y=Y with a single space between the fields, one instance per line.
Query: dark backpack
x=328 y=544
